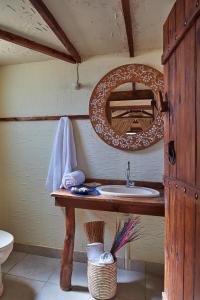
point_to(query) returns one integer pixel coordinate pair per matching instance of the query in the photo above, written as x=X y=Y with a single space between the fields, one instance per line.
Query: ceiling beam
x=55 y=27
x=128 y=25
x=131 y=95
x=24 y=42
x=132 y=117
x=134 y=107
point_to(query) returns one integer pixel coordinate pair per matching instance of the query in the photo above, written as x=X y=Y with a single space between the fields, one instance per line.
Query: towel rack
x=43 y=118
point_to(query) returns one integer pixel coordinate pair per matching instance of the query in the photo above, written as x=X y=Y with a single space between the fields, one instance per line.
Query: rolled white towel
x=94 y=251
x=73 y=178
x=106 y=258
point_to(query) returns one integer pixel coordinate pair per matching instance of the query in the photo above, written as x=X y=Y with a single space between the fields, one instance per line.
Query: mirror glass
x=131 y=108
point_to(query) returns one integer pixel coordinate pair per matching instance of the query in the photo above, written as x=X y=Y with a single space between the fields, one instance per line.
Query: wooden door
x=181 y=59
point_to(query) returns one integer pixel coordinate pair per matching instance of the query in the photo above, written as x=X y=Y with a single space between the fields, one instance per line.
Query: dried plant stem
x=126 y=234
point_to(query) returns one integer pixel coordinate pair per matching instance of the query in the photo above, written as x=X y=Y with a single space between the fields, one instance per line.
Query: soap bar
x=80 y=190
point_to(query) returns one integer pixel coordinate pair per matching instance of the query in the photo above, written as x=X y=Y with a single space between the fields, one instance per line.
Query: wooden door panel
x=171 y=289
x=167 y=237
x=172 y=24
x=166 y=124
x=198 y=101
x=172 y=107
x=180 y=98
x=189 y=258
x=180 y=16
x=176 y=240
x=190 y=8
x=185 y=111
x=178 y=267
x=180 y=244
x=189 y=130
x=165 y=35
x=197 y=253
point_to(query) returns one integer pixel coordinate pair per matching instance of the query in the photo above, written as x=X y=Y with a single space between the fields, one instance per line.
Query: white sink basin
x=124 y=191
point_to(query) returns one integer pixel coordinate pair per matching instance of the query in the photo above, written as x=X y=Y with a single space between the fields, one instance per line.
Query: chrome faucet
x=129 y=182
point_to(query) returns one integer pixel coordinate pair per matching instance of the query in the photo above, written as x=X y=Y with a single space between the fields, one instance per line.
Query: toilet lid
x=5 y=238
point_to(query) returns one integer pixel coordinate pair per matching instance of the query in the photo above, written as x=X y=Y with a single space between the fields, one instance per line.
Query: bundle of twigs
x=95 y=231
x=127 y=233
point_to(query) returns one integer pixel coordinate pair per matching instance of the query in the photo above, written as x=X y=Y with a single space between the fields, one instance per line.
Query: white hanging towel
x=63 y=156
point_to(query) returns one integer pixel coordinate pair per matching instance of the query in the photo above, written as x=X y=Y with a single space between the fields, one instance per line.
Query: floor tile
x=53 y=292
x=35 y=267
x=79 y=277
x=131 y=285
x=32 y=277
x=154 y=269
x=154 y=287
x=12 y=260
x=137 y=266
x=20 y=288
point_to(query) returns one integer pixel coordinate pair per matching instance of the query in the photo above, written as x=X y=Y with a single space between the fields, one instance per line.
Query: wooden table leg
x=67 y=257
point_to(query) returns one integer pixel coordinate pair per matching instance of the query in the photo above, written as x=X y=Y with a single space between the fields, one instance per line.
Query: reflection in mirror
x=131 y=109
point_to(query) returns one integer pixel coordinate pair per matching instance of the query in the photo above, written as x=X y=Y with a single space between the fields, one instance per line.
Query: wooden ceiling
x=57 y=30
x=48 y=17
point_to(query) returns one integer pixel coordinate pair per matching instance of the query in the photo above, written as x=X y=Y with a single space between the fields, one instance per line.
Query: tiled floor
x=32 y=277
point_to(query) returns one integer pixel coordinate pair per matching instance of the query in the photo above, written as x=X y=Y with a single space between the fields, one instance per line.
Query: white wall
x=42 y=89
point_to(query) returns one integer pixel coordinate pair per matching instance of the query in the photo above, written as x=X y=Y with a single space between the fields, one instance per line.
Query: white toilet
x=6 y=246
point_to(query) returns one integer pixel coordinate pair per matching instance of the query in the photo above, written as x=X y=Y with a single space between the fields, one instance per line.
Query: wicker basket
x=102 y=280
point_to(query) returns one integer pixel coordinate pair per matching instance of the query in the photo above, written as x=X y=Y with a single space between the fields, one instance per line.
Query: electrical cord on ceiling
x=76 y=85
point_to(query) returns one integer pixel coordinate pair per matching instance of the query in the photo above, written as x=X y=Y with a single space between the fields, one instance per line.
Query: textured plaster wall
x=45 y=88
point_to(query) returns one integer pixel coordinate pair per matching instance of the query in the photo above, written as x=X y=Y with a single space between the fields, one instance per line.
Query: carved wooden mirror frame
x=97 y=106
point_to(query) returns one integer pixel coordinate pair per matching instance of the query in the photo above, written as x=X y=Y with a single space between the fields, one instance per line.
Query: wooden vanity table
x=63 y=198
